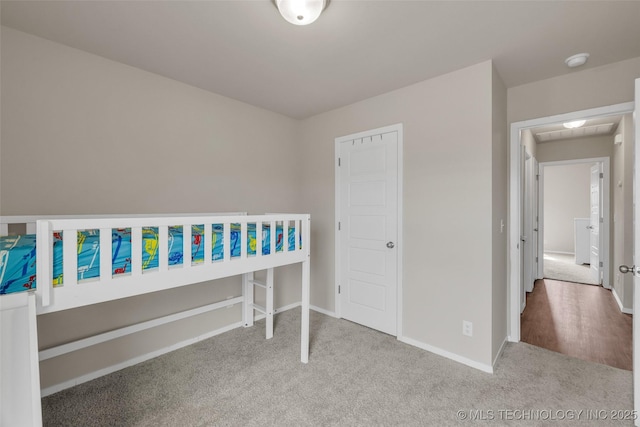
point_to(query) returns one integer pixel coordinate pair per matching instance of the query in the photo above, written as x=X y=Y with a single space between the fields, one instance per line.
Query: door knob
x=626 y=269
x=390 y=245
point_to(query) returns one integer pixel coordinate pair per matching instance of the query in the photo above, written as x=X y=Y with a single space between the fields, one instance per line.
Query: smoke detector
x=576 y=60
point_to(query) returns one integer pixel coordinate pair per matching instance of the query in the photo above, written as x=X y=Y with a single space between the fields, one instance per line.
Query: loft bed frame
x=19 y=355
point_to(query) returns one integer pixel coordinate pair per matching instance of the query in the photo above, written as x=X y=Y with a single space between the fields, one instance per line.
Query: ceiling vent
x=593 y=130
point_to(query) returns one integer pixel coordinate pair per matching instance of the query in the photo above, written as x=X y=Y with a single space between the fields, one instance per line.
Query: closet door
x=368 y=230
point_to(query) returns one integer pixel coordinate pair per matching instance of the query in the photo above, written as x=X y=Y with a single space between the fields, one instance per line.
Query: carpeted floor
x=355 y=377
x=563 y=267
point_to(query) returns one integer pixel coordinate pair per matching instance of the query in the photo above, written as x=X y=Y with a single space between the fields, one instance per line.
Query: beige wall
x=449 y=226
x=82 y=134
x=580 y=90
x=566 y=196
x=499 y=214
x=622 y=195
x=576 y=148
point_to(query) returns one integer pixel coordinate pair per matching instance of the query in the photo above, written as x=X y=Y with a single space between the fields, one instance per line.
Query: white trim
x=400 y=240
x=323 y=311
x=280 y=310
x=455 y=357
x=619 y=302
x=514 y=198
x=558 y=252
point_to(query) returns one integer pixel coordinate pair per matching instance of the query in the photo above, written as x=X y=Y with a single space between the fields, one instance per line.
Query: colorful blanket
x=18 y=253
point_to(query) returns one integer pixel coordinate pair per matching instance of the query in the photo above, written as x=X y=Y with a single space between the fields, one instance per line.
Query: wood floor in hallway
x=582 y=321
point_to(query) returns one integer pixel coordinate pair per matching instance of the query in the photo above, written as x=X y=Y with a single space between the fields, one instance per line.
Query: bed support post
x=306 y=296
x=247 y=302
x=269 y=298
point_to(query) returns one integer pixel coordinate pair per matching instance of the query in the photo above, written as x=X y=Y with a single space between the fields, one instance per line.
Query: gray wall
x=85 y=135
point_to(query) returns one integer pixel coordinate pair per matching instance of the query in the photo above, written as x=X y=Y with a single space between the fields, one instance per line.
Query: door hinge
x=601 y=219
x=339 y=225
x=601 y=264
x=536 y=259
x=601 y=175
x=339 y=289
x=339 y=162
x=537 y=177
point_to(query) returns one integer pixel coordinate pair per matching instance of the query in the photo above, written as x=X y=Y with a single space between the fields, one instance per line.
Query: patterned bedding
x=18 y=253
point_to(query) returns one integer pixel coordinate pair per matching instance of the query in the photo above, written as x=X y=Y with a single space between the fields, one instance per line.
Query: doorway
x=515 y=197
x=574 y=221
x=369 y=228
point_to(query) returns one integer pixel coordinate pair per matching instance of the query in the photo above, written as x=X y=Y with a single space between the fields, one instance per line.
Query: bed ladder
x=248 y=282
x=19 y=364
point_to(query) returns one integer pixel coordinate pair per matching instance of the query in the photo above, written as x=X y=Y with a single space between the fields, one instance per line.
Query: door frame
x=529 y=265
x=515 y=177
x=399 y=242
x=605 y=209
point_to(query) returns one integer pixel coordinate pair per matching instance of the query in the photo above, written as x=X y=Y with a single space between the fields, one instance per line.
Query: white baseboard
x=559 y=252
x=455 y=357
x=617 y=298
x=323 y=311
x=278 y=310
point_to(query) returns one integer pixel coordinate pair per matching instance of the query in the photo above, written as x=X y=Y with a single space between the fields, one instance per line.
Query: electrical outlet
x=467 y=328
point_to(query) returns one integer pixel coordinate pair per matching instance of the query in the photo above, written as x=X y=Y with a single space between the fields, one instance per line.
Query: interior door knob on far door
x=391 y=245
x=626 y=269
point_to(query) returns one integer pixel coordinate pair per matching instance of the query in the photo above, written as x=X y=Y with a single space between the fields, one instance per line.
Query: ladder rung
x=259 y=283
x=260 y=308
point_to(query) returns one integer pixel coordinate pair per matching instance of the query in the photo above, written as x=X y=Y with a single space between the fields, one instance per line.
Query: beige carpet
x=563 y=267
x=355 y=377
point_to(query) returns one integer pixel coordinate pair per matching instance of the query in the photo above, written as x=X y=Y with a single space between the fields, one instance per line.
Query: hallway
x=579 y=321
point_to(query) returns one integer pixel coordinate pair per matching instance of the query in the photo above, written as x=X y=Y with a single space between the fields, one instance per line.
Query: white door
x=594 y=223
x=527 y=238
x=636 y=259
x=534 y=235
x=368 y=230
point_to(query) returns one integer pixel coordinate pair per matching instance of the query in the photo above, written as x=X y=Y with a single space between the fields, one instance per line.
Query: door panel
x=368 y=217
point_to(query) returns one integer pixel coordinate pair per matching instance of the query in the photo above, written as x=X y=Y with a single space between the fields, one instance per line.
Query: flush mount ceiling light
x=300 y=12
x=574 y=124
x=576 y=60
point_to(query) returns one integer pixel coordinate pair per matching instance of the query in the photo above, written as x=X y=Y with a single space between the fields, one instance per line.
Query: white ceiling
x=356 y=50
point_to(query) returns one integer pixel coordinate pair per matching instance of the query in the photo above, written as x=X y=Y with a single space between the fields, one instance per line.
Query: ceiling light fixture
x=574 y=124
x=576 y=60
x=300 y=12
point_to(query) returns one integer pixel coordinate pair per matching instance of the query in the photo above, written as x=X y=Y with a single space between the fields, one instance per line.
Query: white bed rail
x=29 y=221
x=107 y=287
x=74 y=293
